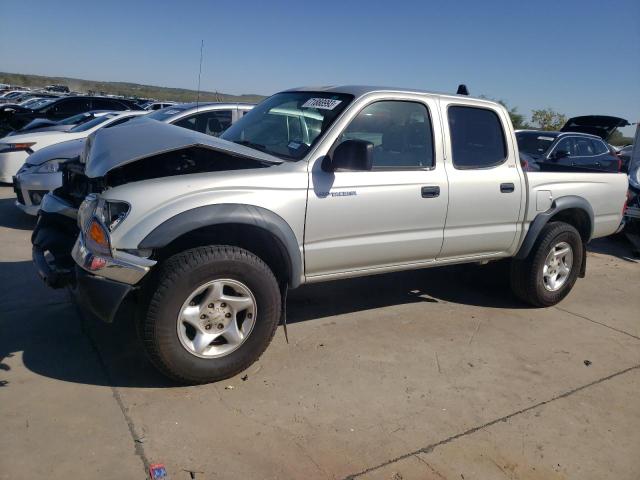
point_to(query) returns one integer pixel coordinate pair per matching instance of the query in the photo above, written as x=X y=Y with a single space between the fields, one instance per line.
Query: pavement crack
x=431 y=447
x=135 y=437
x=597 y=322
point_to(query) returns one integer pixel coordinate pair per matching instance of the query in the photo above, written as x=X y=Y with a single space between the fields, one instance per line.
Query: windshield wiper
x=263 y=148
x=254 y=145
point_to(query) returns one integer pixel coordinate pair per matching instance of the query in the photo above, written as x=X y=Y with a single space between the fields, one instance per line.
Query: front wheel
x=550 y=270
x=213 y=313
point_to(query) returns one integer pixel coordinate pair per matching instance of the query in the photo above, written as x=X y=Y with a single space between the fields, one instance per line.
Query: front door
x=391 y=215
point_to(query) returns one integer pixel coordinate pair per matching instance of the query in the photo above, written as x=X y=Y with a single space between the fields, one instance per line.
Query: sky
x=575 y=56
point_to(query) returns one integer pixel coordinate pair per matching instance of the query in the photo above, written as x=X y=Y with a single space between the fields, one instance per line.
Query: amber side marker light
x=98 y=239
x=97 y=234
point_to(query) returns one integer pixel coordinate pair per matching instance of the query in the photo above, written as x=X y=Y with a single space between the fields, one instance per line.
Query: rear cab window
x=477 y=137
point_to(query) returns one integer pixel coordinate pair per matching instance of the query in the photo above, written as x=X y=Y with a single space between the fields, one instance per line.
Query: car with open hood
x=580 y=144
x=15 y=149
x=41 y=173
x=206 y=235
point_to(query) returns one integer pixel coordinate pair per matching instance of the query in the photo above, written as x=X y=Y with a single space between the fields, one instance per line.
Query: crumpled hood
x=109 y=148
x=69 y=149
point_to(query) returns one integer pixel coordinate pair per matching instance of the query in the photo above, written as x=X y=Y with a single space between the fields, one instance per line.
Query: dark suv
x=64 y=107
x=580 y=144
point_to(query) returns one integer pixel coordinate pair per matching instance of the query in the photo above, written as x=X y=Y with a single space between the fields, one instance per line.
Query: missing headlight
x=115 y=213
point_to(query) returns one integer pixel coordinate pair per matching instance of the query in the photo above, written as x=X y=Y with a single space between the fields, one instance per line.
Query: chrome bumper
x=122 y=267
x=53 y=204
x=632 y=212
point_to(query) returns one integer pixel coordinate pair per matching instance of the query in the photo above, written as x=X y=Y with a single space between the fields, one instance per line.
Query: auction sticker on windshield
x=322 y=103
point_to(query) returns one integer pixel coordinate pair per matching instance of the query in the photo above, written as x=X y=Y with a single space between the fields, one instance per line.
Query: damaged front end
x=140 y=150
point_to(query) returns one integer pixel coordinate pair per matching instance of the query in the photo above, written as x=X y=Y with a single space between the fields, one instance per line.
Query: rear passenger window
x=400 y=132
x=584 y=147
x=599 y=147
x=477 y=139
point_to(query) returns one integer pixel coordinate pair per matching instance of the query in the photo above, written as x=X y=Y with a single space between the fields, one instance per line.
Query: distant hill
x=124 y=88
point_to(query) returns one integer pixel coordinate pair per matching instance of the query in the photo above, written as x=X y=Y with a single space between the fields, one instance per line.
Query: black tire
x=526 y=275
x=177 y=278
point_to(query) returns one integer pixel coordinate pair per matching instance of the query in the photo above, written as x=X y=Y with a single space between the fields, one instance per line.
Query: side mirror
x=356 y=155
x=560 y=154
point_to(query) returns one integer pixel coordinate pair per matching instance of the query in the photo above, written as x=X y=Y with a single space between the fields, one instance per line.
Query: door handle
x=507 y=187
x=430 y=192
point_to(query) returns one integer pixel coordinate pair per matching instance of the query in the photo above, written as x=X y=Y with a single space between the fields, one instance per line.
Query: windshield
x=288 y=124
x=30 y=102
x=92 y=123
x=41 y=103
x=164 y=113
x=534 y=143
x=79 y=118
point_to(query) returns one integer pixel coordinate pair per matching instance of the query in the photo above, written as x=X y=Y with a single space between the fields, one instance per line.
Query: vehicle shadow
x=11 y=217
x=45 y=333
x=482 y=286
x=615 y=245
x=58 y=341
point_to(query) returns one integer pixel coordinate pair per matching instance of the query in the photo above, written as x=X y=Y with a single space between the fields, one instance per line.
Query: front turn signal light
x=98 y=238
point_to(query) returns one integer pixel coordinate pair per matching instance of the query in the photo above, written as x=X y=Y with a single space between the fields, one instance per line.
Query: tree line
x=549 y=120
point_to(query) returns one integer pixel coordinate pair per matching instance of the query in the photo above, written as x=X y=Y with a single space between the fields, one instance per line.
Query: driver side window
x=400 y=132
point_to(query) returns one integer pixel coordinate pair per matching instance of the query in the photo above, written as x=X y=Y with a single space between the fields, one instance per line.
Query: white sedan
x=15 y=149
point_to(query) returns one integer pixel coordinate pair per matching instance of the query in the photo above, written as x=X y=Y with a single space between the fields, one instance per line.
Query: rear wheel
x=213 y=313
x=550 y=270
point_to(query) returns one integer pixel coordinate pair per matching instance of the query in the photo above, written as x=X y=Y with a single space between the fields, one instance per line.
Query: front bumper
x=30 y=189
x=100 y=296
x=10 y=163
x=632 y=212
x=121 y=267
x=103 y=283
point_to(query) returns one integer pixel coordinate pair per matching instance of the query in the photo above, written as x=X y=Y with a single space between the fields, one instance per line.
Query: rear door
x=486 y=191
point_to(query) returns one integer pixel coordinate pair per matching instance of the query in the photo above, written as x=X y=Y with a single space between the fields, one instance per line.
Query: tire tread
x=172 y=269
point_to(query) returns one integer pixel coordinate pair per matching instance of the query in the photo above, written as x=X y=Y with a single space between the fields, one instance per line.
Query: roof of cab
x=360 y=90
x=207 y=105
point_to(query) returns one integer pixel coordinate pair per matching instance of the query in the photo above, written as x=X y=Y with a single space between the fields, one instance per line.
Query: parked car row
x=207 y=234
x=31 y=157
x=18 y=116
x=19 y=103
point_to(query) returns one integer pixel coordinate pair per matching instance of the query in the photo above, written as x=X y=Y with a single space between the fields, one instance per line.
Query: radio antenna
x=199 y=74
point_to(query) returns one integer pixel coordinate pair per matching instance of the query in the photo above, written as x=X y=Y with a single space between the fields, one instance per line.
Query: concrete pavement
x=427 y=374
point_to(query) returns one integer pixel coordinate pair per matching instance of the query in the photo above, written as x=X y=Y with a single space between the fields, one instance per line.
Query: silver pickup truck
x=206 y=234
